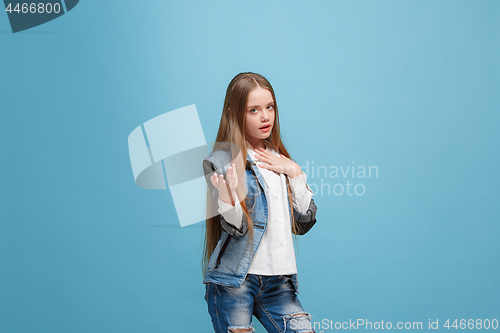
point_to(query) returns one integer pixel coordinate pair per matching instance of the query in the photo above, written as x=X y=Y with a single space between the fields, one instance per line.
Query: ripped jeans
x=271 y=299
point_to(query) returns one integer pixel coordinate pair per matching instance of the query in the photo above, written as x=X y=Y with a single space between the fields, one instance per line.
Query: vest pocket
x=222 y=250
x=259 y=224
x=231 y=253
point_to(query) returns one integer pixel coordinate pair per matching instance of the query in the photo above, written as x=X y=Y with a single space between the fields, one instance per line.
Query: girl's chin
x=265 y=133
x=262 y=136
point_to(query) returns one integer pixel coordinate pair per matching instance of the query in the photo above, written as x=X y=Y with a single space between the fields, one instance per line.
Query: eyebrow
x=254 y=106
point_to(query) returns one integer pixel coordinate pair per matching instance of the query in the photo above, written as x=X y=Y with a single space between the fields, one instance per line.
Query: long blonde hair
x=231 y=129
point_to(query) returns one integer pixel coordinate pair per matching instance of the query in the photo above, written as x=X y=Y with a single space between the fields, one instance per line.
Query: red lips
x=267 y=125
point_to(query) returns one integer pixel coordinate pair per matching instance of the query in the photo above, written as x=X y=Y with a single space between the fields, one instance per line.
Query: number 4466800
x=34 y=8
x=472 y=324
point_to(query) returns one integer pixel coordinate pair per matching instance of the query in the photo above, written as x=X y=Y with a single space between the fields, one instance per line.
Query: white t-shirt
x=275 y=254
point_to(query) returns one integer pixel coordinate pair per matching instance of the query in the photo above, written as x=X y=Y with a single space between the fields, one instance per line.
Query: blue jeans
x=271 y=299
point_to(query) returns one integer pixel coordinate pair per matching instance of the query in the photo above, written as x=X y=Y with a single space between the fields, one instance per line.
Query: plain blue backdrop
x=411 y=87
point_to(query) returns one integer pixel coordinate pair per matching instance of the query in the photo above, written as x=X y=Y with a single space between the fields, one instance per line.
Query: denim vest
x=229 y=263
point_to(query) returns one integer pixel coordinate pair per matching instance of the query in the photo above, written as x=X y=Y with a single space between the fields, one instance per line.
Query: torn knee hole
x=299 y=315
x=299 y=321
x=241 y=330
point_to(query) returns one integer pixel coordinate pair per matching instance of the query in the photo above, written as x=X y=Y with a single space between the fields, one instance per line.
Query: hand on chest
x=274 y=181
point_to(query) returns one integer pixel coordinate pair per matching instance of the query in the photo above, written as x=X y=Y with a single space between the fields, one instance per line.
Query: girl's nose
x=265 y=115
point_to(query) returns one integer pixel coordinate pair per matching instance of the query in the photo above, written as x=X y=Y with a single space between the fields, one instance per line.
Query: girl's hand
x=280 y=164
x=224 y=186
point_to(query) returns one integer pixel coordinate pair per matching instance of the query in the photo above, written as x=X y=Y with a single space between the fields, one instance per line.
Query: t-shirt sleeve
x=232 y=214
x=301 y=193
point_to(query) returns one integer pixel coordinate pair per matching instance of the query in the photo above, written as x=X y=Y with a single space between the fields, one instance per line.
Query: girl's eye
x=252 y=111
x=270 y=107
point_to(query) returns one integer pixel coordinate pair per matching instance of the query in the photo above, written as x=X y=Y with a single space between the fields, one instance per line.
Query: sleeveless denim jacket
x=229 y=263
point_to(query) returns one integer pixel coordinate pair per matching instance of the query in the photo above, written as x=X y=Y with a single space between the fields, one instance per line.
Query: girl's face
x=259 y=116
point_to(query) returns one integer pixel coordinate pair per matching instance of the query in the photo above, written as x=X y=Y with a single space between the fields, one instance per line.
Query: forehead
x=259 y=96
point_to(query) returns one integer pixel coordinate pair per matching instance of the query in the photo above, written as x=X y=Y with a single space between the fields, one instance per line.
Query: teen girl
x=257 y=197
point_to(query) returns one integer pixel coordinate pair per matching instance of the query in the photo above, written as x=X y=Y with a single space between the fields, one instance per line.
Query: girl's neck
x=255 y=145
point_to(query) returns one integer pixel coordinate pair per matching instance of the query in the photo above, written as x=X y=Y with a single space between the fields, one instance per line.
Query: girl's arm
x=304 y=208
x=305 y=220
x=232 y=214
x=229 y=215
x=301 y=192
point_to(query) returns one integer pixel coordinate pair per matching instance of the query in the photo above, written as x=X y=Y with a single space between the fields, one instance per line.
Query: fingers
x=263 y=158
x=284 y=156
x=230 y=174
x=263 y=152
x=231 y=171
x=213 y=179
x=231 y=177
x=268 y=167
x=216 y=180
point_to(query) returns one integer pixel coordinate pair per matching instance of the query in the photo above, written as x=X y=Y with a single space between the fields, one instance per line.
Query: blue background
x=411 y=87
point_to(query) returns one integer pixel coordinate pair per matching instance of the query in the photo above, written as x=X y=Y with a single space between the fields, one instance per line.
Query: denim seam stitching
x=262 y=288
x=215 y=307
x=275 y=324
